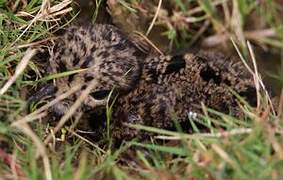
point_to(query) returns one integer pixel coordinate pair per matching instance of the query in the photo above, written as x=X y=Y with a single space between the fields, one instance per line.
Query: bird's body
x=151 y=90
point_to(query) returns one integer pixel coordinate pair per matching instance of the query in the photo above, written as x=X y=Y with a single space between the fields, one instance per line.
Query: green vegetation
x=247 y=148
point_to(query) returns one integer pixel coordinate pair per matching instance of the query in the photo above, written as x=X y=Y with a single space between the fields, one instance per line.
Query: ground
x=250 y=146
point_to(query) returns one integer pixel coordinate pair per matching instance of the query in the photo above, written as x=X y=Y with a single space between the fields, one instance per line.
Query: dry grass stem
x=233 y=132
x=263 y=33
x=237 y=24
x=280 y=107
x=255 y=75
x=227 y=13
x=86 y=140
x=46 y=12
x=19 y=69
x=73 y=108
x=199 y=9
x=30 y=116
x=255 y=36
x=200 y=32
x=223 y=154
x=24 y=127
x=149 y=42
x=154 y=18
x=37 y=43
x=258 y=80
x=215 y=40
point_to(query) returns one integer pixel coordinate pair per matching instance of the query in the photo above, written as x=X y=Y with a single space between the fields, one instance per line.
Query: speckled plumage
x=152 y=90
x=110 y=58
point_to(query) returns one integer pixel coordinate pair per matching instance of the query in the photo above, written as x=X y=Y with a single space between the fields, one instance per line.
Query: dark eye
x=101 y=94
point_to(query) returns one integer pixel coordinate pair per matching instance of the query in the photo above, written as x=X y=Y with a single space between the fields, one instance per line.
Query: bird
x=147 y=89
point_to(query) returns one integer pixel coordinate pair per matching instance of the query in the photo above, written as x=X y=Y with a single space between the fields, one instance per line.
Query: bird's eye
x=101 y=94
